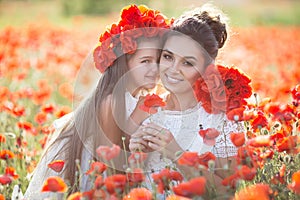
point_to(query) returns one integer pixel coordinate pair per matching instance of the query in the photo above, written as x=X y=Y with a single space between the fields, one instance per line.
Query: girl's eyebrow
x=145 y=57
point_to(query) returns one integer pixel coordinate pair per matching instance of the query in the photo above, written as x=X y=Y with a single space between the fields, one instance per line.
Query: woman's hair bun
x=217 y=25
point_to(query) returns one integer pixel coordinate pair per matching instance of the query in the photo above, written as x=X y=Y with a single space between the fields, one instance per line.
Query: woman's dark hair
x=206 y=26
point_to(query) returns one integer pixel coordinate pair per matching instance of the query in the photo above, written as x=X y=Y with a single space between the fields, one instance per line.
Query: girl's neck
x=181 y=102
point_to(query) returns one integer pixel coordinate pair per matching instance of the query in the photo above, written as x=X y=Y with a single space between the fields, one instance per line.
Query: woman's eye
x=167 y=56
x=188 y=63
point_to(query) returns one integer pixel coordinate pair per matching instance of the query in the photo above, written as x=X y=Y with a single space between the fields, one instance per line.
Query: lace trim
x=184 y=112
x=224 y=146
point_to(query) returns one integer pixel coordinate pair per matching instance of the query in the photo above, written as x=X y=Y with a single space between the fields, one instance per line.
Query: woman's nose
x=174 y=67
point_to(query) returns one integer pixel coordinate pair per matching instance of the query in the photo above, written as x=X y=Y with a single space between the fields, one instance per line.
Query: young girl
x=127 y=57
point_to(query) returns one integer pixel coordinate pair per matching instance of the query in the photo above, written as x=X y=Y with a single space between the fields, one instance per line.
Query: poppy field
x=38 y=68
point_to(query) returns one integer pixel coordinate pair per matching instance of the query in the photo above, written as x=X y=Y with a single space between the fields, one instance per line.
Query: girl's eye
x=146 y=61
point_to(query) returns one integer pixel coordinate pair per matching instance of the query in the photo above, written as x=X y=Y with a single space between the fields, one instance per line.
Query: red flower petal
x=56 y=165
x=54 y=184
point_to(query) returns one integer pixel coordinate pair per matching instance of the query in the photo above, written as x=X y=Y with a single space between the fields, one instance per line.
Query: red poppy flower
x=11 y=172
x=89 y=194
x=246 y=173
x=258 y=191
x=205 y=157
x=151 y=103
x=259 y=122
x=66 y=90
x=97 y=167
x=135 y=177
x=2 y=138
x=192 y=188
x=108 y=153
x=48 y=129
x=75 y=196
x=163 y=178
x=176 y=197
x=129 y=44
x=56 y=165
x=261 y=141
x=62 y=111
x=4 y=93
x=230 y=180
x=295 y=185
x=25 y=125
x=6 y=154
x=267 y=153
x=115 y=184
x=98 y=182
x=54 y=184
x=189 y=158
x=137 y=157
x=130 y=14
x=2 y=197
x=104 y=56
x=209 y=136
x=138 y=194
x=296 y=95
x=287 y=143
x=40 y=117
x=176 y=176
x=18 y=111
x=48 y=108
x=238 y=139
x=5 y=179
x=222 y=89
x=236 y=114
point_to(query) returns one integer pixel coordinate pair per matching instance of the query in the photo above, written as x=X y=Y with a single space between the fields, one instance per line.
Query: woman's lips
x=173 y=80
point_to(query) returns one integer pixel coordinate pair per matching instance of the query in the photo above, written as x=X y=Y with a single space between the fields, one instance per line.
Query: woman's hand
x=137 y=143
x=161 y=140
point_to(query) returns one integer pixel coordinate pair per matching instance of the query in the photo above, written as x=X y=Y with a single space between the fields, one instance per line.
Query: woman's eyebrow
x=190 y=58
x=168 y=51
x=185 y=57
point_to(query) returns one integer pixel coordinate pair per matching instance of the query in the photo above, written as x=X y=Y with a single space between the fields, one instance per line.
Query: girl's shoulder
x=61 y=122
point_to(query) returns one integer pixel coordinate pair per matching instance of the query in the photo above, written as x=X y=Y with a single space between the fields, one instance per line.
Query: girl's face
x=181 y=64
x=143 y=65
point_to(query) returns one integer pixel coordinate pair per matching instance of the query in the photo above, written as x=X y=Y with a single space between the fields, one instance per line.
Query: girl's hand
x=161 y=140
x=138 y=115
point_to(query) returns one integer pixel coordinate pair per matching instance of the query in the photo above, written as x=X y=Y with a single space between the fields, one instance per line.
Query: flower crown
x=121 y=37
x=222 y=89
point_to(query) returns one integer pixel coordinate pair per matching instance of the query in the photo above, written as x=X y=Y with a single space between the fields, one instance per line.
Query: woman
x=190 y=49
x=127 y=57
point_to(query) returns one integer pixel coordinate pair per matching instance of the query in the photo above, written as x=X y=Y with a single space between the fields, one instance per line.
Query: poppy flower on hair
x=222 y=89
x=136 y=22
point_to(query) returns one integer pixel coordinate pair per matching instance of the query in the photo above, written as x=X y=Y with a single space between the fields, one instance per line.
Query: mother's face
x=181 y=63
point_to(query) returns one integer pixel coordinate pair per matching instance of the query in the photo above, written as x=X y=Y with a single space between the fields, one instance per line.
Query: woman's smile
x=172 y=79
